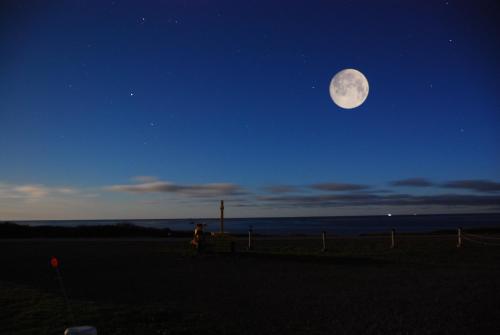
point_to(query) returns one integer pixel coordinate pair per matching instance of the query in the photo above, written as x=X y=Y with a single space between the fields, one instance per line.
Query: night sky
x=158 y=109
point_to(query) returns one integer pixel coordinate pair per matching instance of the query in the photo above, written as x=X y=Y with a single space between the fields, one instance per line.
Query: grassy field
x=284 y=286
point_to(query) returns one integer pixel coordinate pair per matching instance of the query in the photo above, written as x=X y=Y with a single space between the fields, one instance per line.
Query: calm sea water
x=351 y=225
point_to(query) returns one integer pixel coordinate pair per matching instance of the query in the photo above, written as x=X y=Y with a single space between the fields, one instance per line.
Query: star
x=131 y=94
x=304 y=58
x=152 y=124
x=462 y=130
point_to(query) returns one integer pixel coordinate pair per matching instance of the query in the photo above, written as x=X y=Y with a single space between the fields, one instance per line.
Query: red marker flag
x=54 y=262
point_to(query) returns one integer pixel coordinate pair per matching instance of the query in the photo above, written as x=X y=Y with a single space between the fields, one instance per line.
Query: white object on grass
x=81 y=330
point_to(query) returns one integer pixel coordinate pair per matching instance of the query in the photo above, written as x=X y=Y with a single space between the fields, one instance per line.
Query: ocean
x=338 y=225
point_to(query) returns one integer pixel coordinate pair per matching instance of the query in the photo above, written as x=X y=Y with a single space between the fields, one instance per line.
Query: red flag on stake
x=54 y=262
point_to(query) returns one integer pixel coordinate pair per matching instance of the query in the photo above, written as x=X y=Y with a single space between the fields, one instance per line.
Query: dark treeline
x=13 y=230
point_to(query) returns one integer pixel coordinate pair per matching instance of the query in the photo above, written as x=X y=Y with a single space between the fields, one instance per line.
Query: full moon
x=349 y=88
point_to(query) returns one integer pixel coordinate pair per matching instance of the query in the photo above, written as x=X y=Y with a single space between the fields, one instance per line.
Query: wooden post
x=323 y=236
x=250 y=239
x=393 y=238
x=459 y=238
x=222 y=216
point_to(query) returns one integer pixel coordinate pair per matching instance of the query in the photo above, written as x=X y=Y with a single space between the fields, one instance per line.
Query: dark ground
x=285 y=286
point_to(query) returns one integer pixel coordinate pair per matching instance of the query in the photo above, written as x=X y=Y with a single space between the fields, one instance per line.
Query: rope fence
x=482 y=236
x=477 y=239
x=334 y=243
x=393 y=239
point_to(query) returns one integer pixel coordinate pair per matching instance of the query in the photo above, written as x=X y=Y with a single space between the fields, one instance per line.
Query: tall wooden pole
x=222 y=216
x=459 y=238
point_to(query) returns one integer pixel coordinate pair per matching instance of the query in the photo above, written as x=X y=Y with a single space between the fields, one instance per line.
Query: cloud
x=196 y=190
x=65 y=190
x=369 y=199
x=49 y=200
x=339 y=187
x=480 y=185
x=281 y=189
x=32 y=191
x=415 y=182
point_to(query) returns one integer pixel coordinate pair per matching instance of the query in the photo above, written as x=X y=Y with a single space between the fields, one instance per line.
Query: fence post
x=393 y=238
x=250 y=239
x=323 y=236
x=459 y=238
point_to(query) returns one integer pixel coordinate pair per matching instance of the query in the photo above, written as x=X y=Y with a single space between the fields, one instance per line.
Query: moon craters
x=349 y=88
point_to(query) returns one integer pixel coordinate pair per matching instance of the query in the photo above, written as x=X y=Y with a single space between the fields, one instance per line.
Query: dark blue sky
x=229 y=99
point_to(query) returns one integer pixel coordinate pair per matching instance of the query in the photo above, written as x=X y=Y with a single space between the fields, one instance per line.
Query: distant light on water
x=389 y=214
